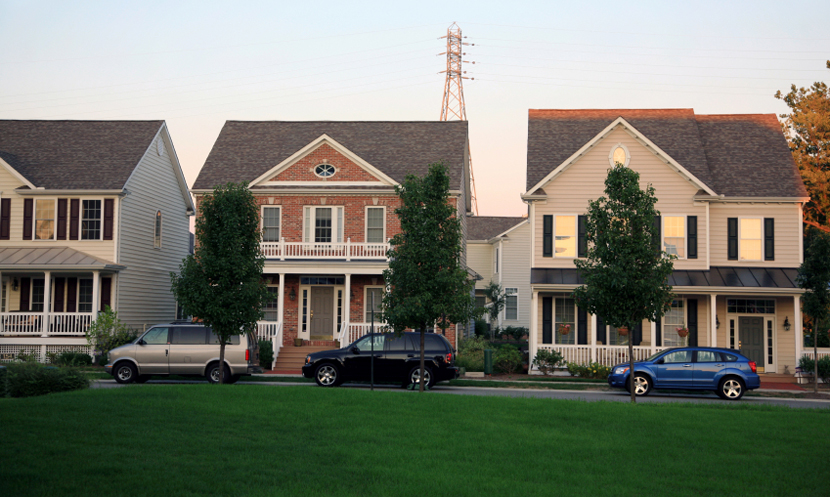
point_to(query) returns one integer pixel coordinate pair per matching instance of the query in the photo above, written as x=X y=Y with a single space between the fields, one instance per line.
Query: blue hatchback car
x=724 y=371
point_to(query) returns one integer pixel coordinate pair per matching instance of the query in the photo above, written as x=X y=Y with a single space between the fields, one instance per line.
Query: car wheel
x=142 y=378
x=327 y=375
x=642 y=385
x=731 y=388
x=125 y=372
x=213 y=373
x=415 y=376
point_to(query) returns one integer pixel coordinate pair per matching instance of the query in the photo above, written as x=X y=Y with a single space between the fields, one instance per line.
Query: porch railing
x=347 y=250
x=35 y=323
x=822 y=352
x=271 y=330
x=349 y=332
x=607 y=355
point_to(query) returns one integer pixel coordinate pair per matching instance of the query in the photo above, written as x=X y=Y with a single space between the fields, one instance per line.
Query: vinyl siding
x=787 y=232
x=570 y=192
x=143 y=293
x=480 y=260
x=515 y=271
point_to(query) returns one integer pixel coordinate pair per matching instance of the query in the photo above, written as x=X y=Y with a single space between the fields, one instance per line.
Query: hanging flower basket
x=682 y=332
x=622 y=331
x=564 y=329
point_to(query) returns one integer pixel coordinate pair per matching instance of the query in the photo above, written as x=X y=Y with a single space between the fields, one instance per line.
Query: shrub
x=547 y=360
x=508 y=359
x=69 y=358
x=27 y=356
x=513 y=333
x=592 y=370
x=482 y=328
x=471 y=353
x=27 y=379
x=266 y=353
x=108 y=332
x=3 y=371
x=808 y=365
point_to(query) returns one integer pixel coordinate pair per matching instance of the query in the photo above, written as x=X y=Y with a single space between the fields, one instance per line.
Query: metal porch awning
x=52 y=259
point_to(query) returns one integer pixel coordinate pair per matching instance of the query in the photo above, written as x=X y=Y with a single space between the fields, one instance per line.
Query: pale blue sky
x=196 y=64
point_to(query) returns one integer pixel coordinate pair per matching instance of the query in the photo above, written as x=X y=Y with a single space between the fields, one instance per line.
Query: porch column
x=799 y=333
x=47 y=300
x=534 y=322
x=348 y=299
x=281 y=298
x=713 y=320
x=593 y=338
x=96 y=293
x=653 y=329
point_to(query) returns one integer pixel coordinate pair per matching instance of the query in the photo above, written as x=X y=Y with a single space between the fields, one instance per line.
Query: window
x=85 y=295
x=565 y=236
x=365 y=343
x=44 y=219
x=614 y=337
x=619 y=153
x=157 y=231
x=377 y=294
x=674 y=235
x=481 y=301
x=272 y=304
x=270 y=224
x=750 y=306
x=564 y=315
x=678 y=357
x=511 y=304
x=325 y=170
x=37 y=295
x=156 y=336
x=707 y=356
x=375 y=224
x=323 y=224
x=189 y=335
x=751 y=236
x=675 y=318
x=91 y=220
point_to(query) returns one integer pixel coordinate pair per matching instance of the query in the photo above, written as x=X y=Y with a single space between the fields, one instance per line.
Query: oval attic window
x=619 y=156
x=324 y=170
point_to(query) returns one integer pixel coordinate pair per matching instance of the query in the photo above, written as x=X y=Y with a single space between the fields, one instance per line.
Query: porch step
x=293 y=358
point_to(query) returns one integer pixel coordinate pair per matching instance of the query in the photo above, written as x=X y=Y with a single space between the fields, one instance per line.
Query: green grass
x=297 y=441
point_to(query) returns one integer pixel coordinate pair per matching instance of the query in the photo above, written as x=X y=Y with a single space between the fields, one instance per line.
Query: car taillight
x=449 y=358
x=753 y=367
x=247 y=355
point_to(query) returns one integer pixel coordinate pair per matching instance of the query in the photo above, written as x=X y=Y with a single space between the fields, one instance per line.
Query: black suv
x=397 y=359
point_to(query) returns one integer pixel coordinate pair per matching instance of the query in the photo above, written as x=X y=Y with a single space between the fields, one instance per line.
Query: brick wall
x=345 y=170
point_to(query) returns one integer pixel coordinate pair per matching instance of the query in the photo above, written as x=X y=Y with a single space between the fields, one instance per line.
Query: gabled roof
x=487 y=227
x=245 y=150
x=735 y=155
x=75 y=155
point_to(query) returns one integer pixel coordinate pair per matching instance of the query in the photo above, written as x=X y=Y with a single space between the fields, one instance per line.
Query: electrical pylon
x=453 y=107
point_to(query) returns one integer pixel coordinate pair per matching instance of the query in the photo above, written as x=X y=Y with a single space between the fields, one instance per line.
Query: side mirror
x=355 y=351
x=142 y=342
x=659 y=361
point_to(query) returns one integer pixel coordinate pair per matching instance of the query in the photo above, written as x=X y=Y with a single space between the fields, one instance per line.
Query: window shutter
x=637 y=334
x=691 y=320
x=61 y=219
x=656 y=236
x=108 y=214
x=582 y=241
x=74 y=213
x=732 y=234
x=691 y=237
x=769 y=239
x=600 y=330
x=547 y=319
x=57 y=305
x=307 y=224
x=581 y=326
x=106 y=291
x=5 y=218
x=28 y=206
x=547 y=236
x=658 y=337
x=71 y=294
x=24 y=292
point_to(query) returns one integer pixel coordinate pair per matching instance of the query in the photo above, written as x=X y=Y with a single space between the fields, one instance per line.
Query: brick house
x=730 y=198
x=327 y=200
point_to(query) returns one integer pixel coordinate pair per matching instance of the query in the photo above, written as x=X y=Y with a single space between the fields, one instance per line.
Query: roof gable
x=487 y=227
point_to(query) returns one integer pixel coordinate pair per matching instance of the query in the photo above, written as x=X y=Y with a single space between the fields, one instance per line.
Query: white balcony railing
x=35 y=323
x=347 y=250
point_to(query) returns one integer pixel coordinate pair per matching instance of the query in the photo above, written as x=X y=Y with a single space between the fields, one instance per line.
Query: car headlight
x=620 y=370
x=308 y=359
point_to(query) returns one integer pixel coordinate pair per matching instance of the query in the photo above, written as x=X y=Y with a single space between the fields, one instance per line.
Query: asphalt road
x=584 y=395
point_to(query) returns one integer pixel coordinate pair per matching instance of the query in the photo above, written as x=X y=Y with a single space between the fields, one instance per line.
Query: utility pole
x=453 y=107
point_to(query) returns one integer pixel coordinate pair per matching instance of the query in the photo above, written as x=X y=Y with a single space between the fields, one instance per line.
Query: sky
x=196 y=64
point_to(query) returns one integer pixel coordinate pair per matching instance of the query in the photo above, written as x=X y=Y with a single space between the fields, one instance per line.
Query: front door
x=751 y=335
x=321 y=312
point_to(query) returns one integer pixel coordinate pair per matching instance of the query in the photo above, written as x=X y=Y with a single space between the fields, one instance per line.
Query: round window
x=619 y=155
x=324 y=170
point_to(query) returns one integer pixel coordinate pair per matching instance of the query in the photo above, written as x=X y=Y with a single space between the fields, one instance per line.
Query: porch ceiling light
x=787 y=323
x=717 y=322
x=14 y=284
x=292 y=295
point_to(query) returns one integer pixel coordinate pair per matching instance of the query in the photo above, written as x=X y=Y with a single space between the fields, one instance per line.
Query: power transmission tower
x=453 y=107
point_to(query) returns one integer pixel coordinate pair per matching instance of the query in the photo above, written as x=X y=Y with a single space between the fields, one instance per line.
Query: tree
x=222 y=282
x=807 y=129
x=814 y=278
x=425 y=278
x=625 y=271
x=495 y=294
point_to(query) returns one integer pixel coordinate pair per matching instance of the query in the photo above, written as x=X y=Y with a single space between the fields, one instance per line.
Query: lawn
x=201 y=439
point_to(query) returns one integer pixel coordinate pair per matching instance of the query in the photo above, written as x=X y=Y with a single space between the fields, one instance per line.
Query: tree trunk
x=816 y=331
x=221 y=361
x=421 y=382
x=631 y=364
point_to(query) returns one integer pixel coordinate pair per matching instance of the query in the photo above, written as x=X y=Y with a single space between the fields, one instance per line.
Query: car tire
x=327 y=375
x=142 y=378
x=415 y=375
x=642 y=385
x=731 y=388
x=212 y=373
x=125 y=372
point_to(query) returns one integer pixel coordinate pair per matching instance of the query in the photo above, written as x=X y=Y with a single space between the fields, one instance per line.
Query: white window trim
x=156 y=216
x=685 y=323
x=262 y=220
x=496 y=255
x=54 y=221
x=685 y=233
x=81 y=220
x=556 y=323
x=511 y=291
x=366 y=222
x=337 y=222
x=613 y=149
x=740 y=238
x=366 y=299
x=575 y=236
x=78 y=295
x=314 y=170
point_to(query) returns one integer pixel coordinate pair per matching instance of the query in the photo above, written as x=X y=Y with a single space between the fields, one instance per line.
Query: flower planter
x=682 y=332
x=623 y=331
x=298 y=342
x=564 y=329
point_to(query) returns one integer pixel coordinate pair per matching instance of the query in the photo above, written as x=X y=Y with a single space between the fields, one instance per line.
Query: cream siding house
x=92 y=214
x=730 y=200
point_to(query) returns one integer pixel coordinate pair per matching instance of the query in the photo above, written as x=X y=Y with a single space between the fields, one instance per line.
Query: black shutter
x=547 y=236
x=769 y=239
x=5 y=218
x=28 y=206
x=57 y=305
x=61 y=219
x=582 y=241
x=74 y=214
x=601 y=330
x=732 y=234
x=656 y=236
x=581 y=326
x=637 y=334
x=691 y=237
x=24 y=293
x=658 y=337
x=71 y=294
x=547 y=319
x=691 y=309
x=106 y=293
x=108 y=214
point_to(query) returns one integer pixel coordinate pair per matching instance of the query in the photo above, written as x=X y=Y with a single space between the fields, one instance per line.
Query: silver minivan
x=184 y=349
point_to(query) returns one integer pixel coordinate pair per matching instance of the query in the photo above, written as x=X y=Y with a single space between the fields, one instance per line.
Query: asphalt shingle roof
x=76 y=155
x=486 y=227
